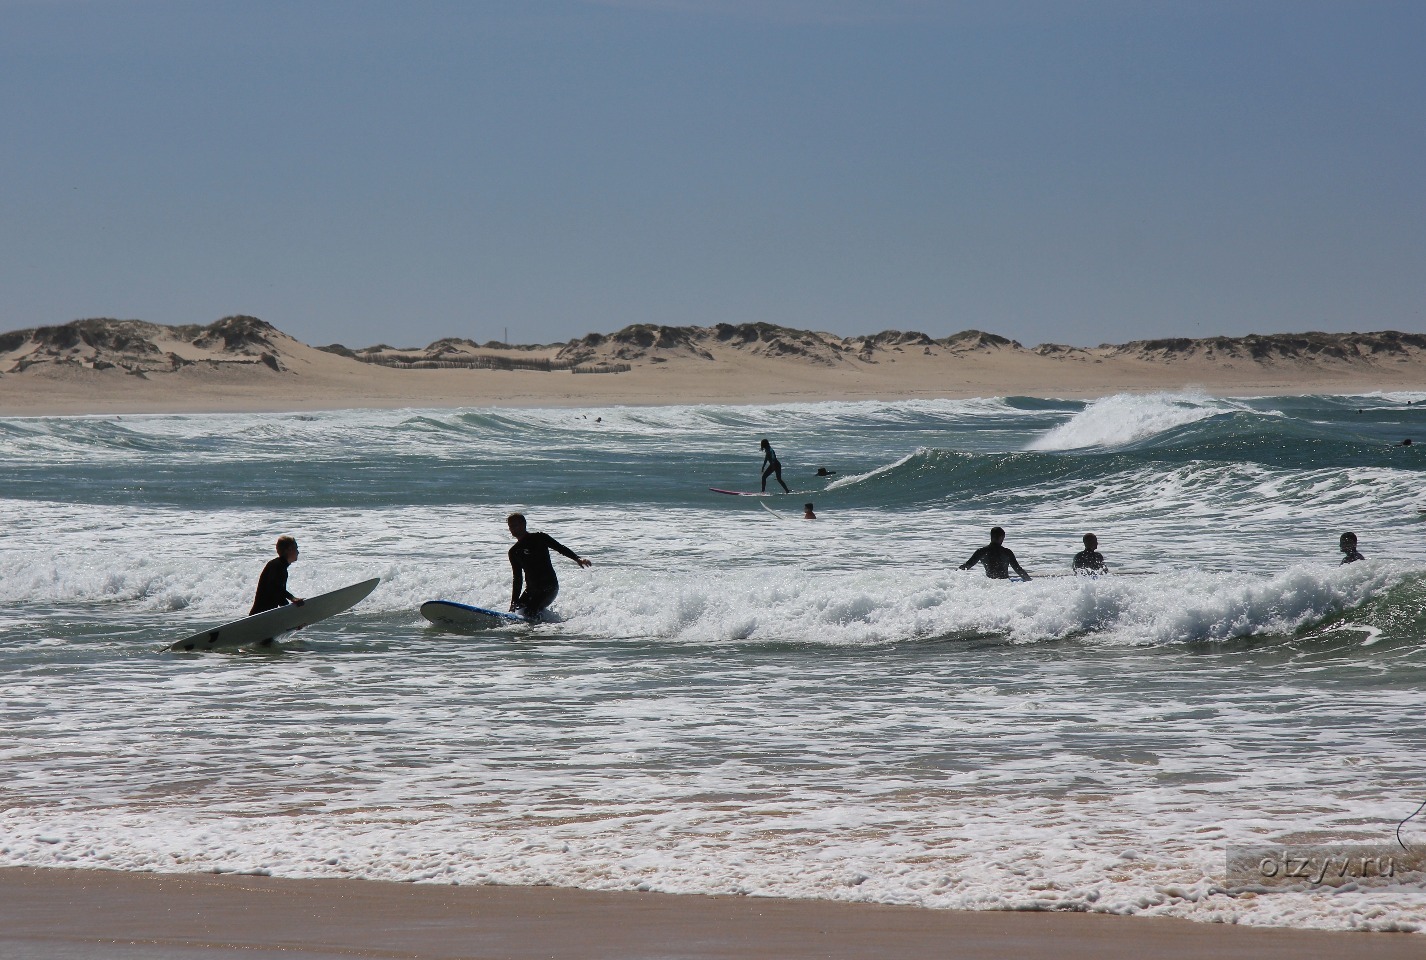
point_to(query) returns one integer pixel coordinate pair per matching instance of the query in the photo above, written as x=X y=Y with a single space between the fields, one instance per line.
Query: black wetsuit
x=1352 y=557
x=998 y=562
x=1090 y=562
x=272 y=587
x=772 y=467
x=530 y=564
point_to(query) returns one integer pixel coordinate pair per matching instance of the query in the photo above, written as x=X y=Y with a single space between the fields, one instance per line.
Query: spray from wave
x=1126 y=418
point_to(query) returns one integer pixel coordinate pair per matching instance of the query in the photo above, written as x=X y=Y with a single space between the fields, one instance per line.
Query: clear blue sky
x=1081 y=171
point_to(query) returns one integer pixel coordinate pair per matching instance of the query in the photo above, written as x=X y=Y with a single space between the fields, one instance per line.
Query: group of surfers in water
x=534 y=584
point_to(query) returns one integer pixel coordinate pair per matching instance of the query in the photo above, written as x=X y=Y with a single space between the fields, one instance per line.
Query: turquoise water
x=732 y=699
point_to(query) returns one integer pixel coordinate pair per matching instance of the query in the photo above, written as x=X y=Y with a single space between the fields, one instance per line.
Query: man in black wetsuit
x=1089 y=562
x=1348 y=545
x=532 y=569
x=272 y=585
x=998 y=560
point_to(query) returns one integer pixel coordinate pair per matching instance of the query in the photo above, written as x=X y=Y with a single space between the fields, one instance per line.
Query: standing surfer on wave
x=771 y=466
x=1089 y=562
x=531 y=567
x=1347 y=543
x=272 y=585
x=998 y=560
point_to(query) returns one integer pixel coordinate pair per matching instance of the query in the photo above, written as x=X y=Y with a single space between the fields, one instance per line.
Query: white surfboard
x=461 y=616
x=271 y=624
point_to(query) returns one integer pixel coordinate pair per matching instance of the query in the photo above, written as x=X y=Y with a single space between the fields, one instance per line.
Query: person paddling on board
x=272 y=585
x=1089 y=562
x=998 y=560
x=1347 y=543
x=771 y=466
x=535 y=585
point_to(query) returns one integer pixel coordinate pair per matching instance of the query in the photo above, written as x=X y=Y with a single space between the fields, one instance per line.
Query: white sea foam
x=1126 y=418
x=727 y=702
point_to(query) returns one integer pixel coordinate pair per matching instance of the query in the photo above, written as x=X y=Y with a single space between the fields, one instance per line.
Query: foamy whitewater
x=733 y=700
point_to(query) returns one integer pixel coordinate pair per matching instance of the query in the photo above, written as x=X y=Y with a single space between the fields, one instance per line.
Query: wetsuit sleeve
x=560 y=548
x=1015 y=564
x=517 y=578
x=974 y=559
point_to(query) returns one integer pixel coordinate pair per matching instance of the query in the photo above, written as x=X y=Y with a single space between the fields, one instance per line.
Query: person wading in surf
x=998 y=560
x=272 y=585
x=1347 y=543
x=1089 y=562
x=534 y=585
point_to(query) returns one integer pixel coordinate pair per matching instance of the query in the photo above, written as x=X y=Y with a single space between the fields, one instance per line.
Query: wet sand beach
x=82 y=914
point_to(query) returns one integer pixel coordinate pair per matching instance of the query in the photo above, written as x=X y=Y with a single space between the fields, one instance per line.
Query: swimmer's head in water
x=1091 y=542
x=1348 y=542
x=997 y=534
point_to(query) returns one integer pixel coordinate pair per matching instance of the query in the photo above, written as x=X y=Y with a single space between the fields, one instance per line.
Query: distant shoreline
x=243 y=365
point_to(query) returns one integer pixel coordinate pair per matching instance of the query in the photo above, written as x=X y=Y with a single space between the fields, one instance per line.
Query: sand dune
x=243 y=363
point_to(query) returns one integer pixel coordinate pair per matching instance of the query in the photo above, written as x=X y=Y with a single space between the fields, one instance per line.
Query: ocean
x=734 y=700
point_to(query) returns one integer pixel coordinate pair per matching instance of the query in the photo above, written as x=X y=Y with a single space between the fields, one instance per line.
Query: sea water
x=733 y=700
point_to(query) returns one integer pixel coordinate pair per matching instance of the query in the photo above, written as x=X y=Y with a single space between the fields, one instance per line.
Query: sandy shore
x=270 y=371
x=72 y=914
x=753 y=381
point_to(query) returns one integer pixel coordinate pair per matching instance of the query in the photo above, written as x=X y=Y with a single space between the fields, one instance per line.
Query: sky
x=1079 y=171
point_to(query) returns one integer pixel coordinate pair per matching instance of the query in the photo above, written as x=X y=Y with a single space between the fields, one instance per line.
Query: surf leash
x=1404 y=823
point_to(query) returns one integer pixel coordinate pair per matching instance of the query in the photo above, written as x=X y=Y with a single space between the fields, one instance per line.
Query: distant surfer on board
x=998 y=560
x=771 y=466
x=1089 y=562
x=534 y=585
x=272 y=585
x=1347 y=543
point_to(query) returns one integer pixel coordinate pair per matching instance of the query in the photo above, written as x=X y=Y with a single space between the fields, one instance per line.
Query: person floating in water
x=534 y=585
x=1089 y=561
x=807 y=512
x=272 y=585
x=824 y=472
x=998 y=560
x=771 y=466
x=1405 y=443
x=1347 y=543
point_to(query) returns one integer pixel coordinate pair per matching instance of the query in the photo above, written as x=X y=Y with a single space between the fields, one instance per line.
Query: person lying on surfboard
x=998 y=560
x=535 y=585
x=272 y=585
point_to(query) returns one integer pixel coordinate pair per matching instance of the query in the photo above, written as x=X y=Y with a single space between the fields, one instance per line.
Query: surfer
x=771 y=466
x=535 y=585
x=824 y=472
x=998 y=560
x=807 y=512
x=272 y=585
x=1347 y=543
x=1089 y=562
